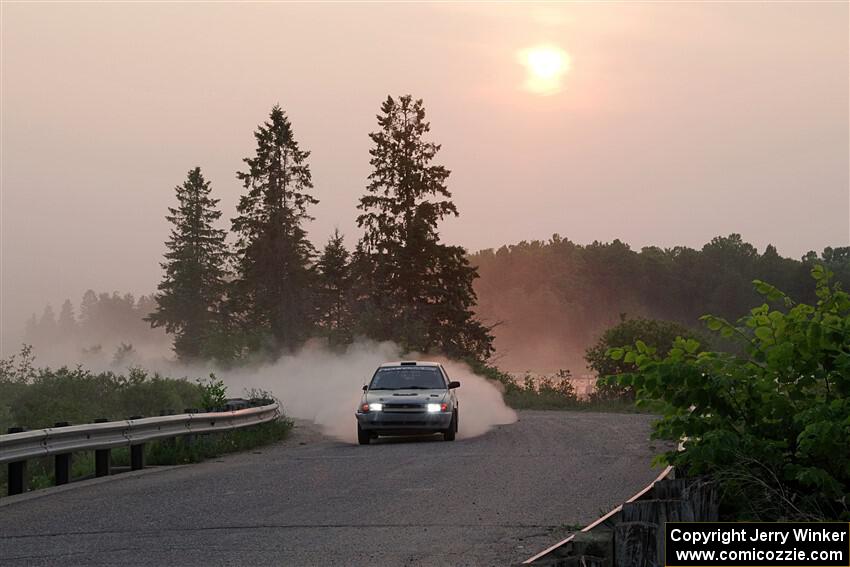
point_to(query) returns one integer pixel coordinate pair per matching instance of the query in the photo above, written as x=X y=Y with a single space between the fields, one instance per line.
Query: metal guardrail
x=17 y=448
x=600 y=521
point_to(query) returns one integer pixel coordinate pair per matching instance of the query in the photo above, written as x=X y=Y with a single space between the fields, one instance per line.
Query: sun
x=546 y=64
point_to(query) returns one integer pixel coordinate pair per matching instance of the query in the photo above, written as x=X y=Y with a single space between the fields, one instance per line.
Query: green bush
x=772 y=424
x=655 y=333
x=547 y=393
x=146 y=395
x=39 y=397
x=213 y=393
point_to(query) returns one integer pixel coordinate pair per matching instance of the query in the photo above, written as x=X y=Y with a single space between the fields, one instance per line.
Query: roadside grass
x=39 y=397
x=522 y=399
x=183 y=450
x=555 y=392
x=201 y=447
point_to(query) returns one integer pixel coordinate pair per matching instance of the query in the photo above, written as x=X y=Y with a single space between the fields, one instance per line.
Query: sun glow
x=546 y=65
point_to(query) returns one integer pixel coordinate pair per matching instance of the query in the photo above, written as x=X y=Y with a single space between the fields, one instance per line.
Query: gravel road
x=490 y=500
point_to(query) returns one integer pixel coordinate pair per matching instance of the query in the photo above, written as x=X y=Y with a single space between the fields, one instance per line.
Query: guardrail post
x=102 y=457
x=137 y=452
x=62 y=462
x=102 y=462
x=137 y=457
x=17 y=472
x=17 y=481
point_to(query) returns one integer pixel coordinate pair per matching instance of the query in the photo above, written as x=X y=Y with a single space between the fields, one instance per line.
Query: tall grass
x=34 y=398
x=554 y=392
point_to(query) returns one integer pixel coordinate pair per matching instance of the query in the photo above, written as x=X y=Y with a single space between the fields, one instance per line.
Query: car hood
x=405 y=396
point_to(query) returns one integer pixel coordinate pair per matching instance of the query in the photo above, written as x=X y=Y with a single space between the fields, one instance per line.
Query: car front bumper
x=406 y=423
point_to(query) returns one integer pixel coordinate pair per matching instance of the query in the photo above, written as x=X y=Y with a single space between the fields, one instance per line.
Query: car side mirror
x=365 y=387
x=454 y=384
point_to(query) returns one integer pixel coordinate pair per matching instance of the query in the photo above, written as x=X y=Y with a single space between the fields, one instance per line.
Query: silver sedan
x=408 y=398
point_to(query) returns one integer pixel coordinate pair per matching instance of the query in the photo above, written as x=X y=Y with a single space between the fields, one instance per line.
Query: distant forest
x=555 y=298
x=551 y=299
x=103 y=326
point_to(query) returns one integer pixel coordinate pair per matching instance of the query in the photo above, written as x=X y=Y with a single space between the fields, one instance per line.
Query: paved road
x=490 y=500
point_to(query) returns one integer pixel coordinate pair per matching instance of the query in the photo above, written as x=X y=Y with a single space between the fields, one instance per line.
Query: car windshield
x=408 y=378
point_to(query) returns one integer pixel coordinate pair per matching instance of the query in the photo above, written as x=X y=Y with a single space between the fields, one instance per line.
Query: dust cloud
x=314 y=384
x=325 y=387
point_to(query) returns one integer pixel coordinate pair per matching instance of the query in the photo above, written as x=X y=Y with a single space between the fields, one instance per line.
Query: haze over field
x=659 y=124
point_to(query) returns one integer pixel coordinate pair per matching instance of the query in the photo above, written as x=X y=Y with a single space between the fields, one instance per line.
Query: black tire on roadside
x=450 y=433
x=363 y=437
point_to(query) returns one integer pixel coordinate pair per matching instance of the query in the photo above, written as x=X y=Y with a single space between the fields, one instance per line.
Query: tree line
x=560 y=304
x=102 y=320
x=271 y=290
x=555 y=298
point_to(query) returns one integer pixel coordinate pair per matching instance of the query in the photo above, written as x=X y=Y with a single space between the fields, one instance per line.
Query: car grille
x=404 y=408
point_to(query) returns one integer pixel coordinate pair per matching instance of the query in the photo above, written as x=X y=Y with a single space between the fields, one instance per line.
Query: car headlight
x=376 y=407
x=437 y=408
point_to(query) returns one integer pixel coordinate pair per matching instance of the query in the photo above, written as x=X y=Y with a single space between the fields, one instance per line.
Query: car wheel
x=449 y=434
x=363 y=437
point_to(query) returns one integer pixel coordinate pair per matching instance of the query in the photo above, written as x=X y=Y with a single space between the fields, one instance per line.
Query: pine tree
x=31 y=330
x=46 y=332
x=412 y=288
x=67 y=322
x=88 y=308
x=193 y=285
x=273 y=287
x=334 y=285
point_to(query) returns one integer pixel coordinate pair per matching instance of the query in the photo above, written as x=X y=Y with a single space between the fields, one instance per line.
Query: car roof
x=409 y=363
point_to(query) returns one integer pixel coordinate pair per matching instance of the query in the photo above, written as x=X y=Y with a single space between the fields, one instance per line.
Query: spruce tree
x=193 y=286
x=67 y=322
x=88 y=308
x=334 y=284
x=274 y=279
x=47 y=326
x=31 y=330
x=412 y=288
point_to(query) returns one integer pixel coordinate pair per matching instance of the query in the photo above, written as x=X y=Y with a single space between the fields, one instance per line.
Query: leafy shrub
x=39 y=397
x=18 y=368
x=655 y=333
x=213 y=393
x=772 y=423
x=143 y=394
x=547 y=393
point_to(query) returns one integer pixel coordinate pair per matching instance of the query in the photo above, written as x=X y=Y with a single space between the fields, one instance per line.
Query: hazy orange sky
x=674 y=123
